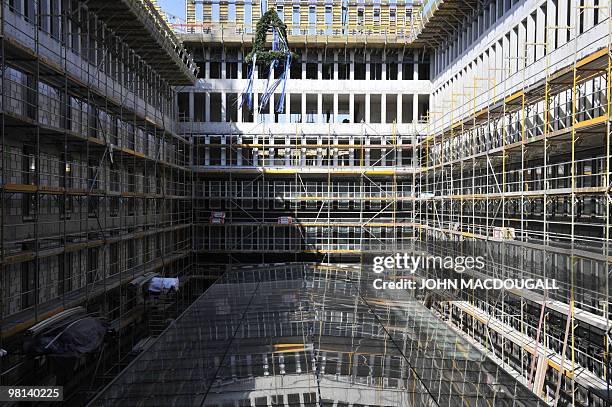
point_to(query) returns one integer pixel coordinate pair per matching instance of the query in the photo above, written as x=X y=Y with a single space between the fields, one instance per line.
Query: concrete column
x=540 y=35
x=335 y=65
x=207 y=107
x=319 y=66
x=530 y=47
x=415 y=108
x=551 y=15
x=303 y=108
x=589 y=14
x=512 y=52
x=416 y=65
x=383 y=108
x=191 y=107
x=367 y=108
x=336 y=107
x=319 y=118
x=256 y=107
x=399 y=108
x=367 y=62
x=223 y=73
x=335 y=151
x=573 y=23
x=207 y=63
x=223 y=105
x=352 y=107
x=240 y=56
x=562 y=5
x=304 y=59
x=352 y=65
x=400 y=67
x=383 y=71
x=522 y=39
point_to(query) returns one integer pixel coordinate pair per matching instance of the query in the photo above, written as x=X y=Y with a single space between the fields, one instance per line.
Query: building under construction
x=457 y=128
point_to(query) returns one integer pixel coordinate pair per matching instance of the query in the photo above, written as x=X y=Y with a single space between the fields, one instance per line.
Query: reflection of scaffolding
x=304 y=334
x=522 y=178
x=94 y=183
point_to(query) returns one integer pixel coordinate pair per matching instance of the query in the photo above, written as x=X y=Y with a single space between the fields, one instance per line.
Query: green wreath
x=269 y=20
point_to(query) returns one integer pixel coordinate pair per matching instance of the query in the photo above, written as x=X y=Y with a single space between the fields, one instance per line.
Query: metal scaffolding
x=307 y=193
x=95 y=182
x=517 y=171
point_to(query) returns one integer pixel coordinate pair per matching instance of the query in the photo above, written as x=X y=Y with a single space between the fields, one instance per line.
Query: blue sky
x=173 y=7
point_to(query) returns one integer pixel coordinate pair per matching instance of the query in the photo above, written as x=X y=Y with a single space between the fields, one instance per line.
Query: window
x=215 y=107
x=312 y=19
x=231 y=70
x=328 y=108
x=92 y=206
x=280 y=11
x=114 y=206
x=408 y=15
x=263 y=71
x=295 y=20
x=344 y=113
x=29 y=166
x=248 y=15
x=231 y=107
x=183 y=106
x=295 y=108
x=391 y=108
x=246 y=67
x=328 y=17
x=359 y=108
x=311 y=70
x=199 y=107
x=215 y=70
x=92 y=264
x=344 y=70
x=247 y=113
x=360 y=71
x=66 y=206
x=28 y=207
x=424 y=69
x=375 y=113
x=391 y=73
x=114 y=259
x=407 y=70
x=392 y=15
x=28 y=284
x=264 y=110
x=311 y=109
x=64 y=280
x=360 y=16
x=279 y=117
x=376 y=71
x=327 y=71
x=131 y=206
x=295 y=72
x=423 y=112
